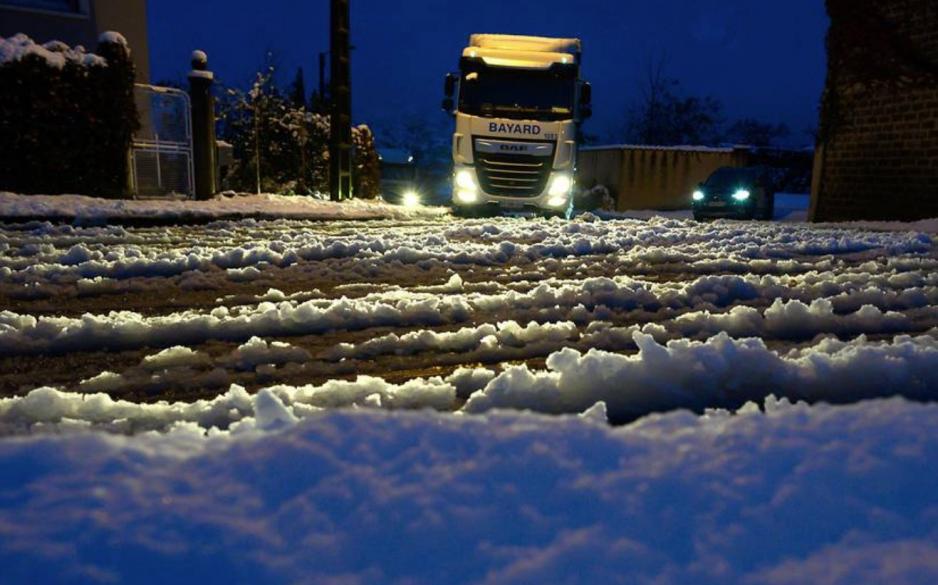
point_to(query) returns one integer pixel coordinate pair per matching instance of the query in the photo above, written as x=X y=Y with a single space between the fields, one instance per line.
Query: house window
x=67 y=6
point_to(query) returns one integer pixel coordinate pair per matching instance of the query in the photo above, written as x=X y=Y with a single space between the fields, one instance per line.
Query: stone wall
x=878 y=151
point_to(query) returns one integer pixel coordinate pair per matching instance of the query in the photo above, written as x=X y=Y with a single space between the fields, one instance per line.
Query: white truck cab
x=518 y=103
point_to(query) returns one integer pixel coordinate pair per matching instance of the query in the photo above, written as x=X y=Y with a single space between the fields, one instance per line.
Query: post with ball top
x=204 y=155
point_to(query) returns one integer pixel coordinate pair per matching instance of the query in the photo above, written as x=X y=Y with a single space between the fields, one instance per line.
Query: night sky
x=762 y=59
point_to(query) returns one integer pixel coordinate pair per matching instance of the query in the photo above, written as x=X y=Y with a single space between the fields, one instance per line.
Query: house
x=79 y=22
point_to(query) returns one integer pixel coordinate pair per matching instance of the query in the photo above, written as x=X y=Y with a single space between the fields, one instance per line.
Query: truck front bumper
x=469 y=196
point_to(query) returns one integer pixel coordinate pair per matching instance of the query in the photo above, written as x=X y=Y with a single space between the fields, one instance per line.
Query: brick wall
x=878 y=154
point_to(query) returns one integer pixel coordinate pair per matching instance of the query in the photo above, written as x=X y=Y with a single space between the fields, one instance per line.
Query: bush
x=68 y=117
x=367 y=175
x=289 y=142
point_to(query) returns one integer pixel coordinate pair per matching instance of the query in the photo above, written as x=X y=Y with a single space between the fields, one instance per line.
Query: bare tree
x=662 y=116
x=755 y=133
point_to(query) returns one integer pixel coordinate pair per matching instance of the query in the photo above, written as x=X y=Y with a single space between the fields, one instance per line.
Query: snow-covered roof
x=55 y=53
x=525 y=43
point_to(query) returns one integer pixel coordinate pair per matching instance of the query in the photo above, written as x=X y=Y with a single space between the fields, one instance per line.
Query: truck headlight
x=699 y=196
x=465 y=180
x=411 y=199
x=560 y=186
x=467 y=197
x=742 y=195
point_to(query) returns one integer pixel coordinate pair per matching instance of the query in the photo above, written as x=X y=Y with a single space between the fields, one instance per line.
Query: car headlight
x=411 y=199
x=742 y=195
x=465 y=180
x=560 y=186
x=699 y=196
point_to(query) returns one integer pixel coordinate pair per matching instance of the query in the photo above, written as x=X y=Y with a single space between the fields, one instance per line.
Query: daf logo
x=513 y=148
x=522 y=129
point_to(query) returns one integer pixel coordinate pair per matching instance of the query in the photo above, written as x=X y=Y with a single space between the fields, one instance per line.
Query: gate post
x=203 y=127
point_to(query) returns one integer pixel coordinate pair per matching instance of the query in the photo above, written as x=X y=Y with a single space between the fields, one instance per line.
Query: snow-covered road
x=182 y=383
x=435 y=310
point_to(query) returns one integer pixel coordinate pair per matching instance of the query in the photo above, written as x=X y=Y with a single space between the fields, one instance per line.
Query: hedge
x=67 y=117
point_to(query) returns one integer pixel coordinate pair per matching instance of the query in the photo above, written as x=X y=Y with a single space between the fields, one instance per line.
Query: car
x=399 y=178
x=736 y=193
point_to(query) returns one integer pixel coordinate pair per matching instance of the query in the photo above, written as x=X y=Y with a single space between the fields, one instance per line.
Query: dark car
x=399 y=178
x=736 y=193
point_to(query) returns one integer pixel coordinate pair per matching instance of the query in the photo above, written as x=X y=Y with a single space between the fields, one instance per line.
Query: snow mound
x=47 y=409
x=487 y=337
x=175 y=357
x=792 y=320
x=257 y=206
x=24 y=334
x=719 y=373
x=796 y=494
x=257 y=352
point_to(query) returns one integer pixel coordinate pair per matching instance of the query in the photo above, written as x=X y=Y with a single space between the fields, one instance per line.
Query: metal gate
x=161 y=157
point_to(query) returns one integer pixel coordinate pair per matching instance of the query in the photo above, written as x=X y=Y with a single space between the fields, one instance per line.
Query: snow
x=680 y=148
x=792 y=320
x=375 y=401
x=718 y=373
x=260 y=206
x=485 y=337
x=113 y=37
x=926 y=225
x=794 y=495
x=56 y=54
x=257 y=352
x=46 y=257
x=174 y=357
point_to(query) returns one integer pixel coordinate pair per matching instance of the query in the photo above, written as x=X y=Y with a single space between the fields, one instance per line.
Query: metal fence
x=161 y=158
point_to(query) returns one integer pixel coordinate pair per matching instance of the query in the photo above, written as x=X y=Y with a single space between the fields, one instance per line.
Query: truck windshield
x=494 y=92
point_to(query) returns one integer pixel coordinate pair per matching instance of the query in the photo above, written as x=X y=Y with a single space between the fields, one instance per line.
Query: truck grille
x=510 y=175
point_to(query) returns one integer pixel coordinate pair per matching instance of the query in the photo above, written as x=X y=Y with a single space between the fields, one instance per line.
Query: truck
x=518 y=102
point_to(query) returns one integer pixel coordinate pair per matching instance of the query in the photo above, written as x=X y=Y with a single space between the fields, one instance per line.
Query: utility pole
x=341 y=149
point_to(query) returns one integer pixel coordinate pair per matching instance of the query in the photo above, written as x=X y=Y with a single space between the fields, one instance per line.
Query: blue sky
x=762 y=59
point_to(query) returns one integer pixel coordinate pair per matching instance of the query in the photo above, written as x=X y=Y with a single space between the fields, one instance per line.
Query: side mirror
x=449 y=88
x=586 y=94
x=586 y=111
x=448 y=105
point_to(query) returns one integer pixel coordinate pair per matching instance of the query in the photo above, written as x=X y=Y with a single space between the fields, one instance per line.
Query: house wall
x=878 y=155
x=641 y=177
x=48 y=25
x=128 y=17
